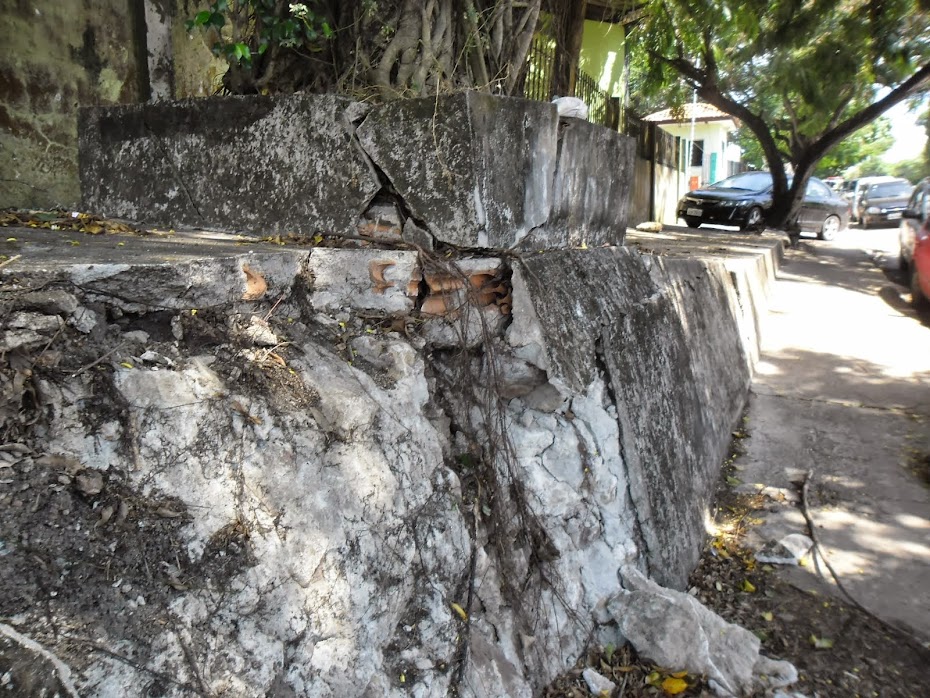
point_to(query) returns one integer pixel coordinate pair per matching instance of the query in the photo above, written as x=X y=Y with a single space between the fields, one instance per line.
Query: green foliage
x=914 y=169
x=801 y=75
x=257 y=25
x=870 y=141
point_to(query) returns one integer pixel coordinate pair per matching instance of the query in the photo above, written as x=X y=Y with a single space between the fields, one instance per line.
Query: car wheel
x=830 y=228
x=918 y=299
x=753 y=219
x=693 y=222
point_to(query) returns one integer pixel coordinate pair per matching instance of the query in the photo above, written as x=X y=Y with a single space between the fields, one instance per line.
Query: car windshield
x=747 y=181
x=889 y=189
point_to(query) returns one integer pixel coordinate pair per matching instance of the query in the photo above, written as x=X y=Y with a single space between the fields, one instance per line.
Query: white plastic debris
x=571 y=106
x=790 y=550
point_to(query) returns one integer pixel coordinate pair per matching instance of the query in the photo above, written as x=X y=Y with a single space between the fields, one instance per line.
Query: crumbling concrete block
x=676 y=631
x=475 y=169
x=385 y=280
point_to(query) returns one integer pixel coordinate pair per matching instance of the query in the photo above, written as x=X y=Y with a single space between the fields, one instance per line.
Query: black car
x=743 y=199
x=884 y=201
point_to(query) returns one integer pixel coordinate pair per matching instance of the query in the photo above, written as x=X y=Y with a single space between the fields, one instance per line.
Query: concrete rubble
x=675 y=630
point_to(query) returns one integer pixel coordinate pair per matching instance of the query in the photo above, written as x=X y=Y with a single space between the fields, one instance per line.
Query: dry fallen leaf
x=674 y=685
x=458 y=609
x=748 y=587
x=821 y=643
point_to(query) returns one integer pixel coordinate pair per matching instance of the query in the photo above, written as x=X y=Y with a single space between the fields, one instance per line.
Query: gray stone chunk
x=34 y=321
x=51 y=301
x=287 y=163
x=677 y=632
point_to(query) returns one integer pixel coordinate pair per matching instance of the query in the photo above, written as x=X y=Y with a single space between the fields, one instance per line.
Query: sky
x=909 y=137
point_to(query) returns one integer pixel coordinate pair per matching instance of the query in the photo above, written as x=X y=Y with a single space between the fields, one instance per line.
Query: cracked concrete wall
x=470 y=169
x=336 y=493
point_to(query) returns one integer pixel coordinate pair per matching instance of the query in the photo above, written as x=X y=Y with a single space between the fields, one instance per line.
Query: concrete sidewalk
x=843 y=390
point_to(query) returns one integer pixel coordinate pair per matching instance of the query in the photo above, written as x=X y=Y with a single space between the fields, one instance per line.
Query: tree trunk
x=569 y=29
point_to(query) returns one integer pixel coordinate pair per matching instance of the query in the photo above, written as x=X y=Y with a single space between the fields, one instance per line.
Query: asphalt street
x=842 y=391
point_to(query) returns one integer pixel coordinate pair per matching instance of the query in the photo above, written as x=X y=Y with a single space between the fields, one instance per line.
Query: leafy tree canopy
x=800 y=75
x=871 y=141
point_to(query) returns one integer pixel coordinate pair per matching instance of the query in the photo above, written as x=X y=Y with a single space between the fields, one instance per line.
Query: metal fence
x=540 y=76
x=540 y=70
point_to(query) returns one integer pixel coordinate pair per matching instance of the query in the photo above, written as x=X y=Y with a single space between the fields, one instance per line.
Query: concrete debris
x=598 y=685
x=259 y=333
x=790 y=550
x=675 y=630
x=21 y=339
x=34 y=321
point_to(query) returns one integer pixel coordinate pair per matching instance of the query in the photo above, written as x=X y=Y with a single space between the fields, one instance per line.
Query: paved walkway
x=843 y=390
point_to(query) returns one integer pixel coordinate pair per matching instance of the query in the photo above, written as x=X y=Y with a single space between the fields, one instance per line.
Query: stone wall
x=335 y=471
x=57 y=57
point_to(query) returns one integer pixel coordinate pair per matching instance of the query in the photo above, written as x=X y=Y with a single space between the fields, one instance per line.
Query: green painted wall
x=57 y=55
x=602 y=55
x=61 y=54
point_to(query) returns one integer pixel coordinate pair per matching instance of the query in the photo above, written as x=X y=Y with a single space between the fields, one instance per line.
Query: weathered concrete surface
x=589 y=208
x=237 y=163
x=470 y=170
x=665 y=336
x=475 y=169
x=317 y=496
x=843 y=390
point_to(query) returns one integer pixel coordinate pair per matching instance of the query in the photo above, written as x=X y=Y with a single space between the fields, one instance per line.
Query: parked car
x=884 y=202
x=853 y=188
x=914 y=238
x=743 y=200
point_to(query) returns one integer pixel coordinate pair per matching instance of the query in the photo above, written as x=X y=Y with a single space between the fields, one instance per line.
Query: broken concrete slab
x=676 y=631
x=591 y=188
x=664 y=340
x=237 y=163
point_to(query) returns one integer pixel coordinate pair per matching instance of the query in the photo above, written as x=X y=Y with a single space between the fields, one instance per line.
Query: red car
x=914 y=237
